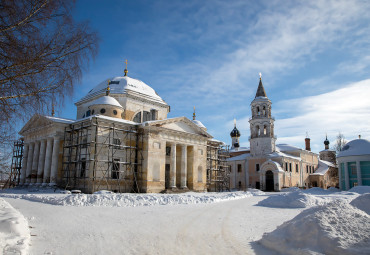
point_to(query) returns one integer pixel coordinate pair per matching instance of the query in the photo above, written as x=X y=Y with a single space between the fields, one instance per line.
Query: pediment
x=37 y=122
x=181 y=124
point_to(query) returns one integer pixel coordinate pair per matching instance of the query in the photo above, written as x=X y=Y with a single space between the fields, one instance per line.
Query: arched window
x=258 y=111
x=264 y=130
x=88 y=113
x=264 y=111
x=137 y=118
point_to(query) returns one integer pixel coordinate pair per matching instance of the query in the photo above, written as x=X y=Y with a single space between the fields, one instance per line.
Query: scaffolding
x=218 y=172
x=16 y=166
x=102 y=155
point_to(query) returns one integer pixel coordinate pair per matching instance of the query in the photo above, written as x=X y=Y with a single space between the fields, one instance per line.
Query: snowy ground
x=316 y=222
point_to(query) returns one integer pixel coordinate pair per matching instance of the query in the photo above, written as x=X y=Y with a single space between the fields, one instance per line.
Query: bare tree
x=42 y=53
x=340 y=142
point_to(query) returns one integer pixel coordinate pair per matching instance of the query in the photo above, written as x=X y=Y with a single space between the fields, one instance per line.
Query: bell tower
x=262 y=139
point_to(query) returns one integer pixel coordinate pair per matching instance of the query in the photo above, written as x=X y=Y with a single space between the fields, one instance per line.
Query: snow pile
x=291 y=189
x=360 y=189
x=332 y=189
x=132 y=200
x=256 y=192
x=362 y=202
x=14 y=231
x=335 y=228
x=296 y=199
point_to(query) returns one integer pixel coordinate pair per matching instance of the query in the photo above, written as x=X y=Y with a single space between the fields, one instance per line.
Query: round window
x=114 y=112
x=102 y=110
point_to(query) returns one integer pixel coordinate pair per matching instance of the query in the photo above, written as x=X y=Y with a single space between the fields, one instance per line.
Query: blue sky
x=314 y=57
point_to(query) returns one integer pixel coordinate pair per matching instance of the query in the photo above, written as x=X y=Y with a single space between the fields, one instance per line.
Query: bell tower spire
x=262 y=139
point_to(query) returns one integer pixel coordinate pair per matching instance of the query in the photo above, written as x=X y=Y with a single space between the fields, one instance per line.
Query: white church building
x=122 y=141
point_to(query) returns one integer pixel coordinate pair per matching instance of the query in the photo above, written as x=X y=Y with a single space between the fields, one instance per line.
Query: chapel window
x=264 y=111
x=102 y=110
x=239 y=168
x=258 y=111
x=286 y=166
x=93 y=111
x=257 y=167
x=153 y=114
x=296 y=168
x=88 y=113
x=290 y=167
x=264 y=130
x=83 y=167
x=114 y=112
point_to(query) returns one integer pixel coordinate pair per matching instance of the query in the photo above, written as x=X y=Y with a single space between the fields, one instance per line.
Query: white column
x=359 y=177
x=173 y=166
x=47 y=165
x=24 y=164
x=183 y=166
x=40 y=168
x=54 y=162
x=346 y=177
x=35 y=161
x=29 y=163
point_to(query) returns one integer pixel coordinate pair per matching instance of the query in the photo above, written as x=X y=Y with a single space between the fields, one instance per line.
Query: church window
x=153 y=114
x=258 y=111
x=306 y=169
x=116 y=142
x=239 y=168
x=296 y=168
x=115 y=169
x=290 y=167
x=264 y=130
x=88 y=113
x=286 y=166
x=264 y=111
x=114 y=112
x=146 y=116
x=102 y=110
x=137 y=117
x=258 y=130
x=93 y=111
x=257 y=167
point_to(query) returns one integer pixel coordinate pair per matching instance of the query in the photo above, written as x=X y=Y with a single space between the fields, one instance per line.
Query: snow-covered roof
x=327 y=150
x=124 y=85
x=287 y=147
x=239 y=157
x=60 y=120
x=198 y=123
x=355 y=147
x=106 y=100
x=110 y=118
x=323 y=167
x=282 y=154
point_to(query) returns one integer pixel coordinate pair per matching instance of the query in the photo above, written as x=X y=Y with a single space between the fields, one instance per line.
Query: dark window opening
x=257 y=167
x=83 y=167
x=290 y=167
x=286 y=166
x=93 y=111
x=102 y=110
x=168 y=151
x=88 y=113
x=239 y=168
x=153 y=114
x=296 y=168
x=114 y=112
x=137 y=117
x=115 y=169
x=146 y=116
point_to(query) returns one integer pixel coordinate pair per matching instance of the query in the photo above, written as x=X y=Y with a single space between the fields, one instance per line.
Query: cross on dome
x=126 y=71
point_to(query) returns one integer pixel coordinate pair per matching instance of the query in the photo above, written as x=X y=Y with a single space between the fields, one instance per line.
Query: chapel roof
x=355 y=147
x=106 y=100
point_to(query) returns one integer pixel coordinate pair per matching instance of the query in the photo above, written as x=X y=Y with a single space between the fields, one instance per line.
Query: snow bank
x=362 y=202
x=132 y=200
x=14 y=231
x=360 y=189
x=335 y=228
x=296 y=199
x=291 y=189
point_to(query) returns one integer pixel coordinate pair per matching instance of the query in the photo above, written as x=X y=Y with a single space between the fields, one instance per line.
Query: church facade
x=270 y=166
x=121 y=141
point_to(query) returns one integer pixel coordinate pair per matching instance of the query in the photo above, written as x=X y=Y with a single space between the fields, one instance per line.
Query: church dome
x=326 y=142
x=235 y=133
x=355 y=148
x=106 y=100
x=124 y=85
x=198 y=123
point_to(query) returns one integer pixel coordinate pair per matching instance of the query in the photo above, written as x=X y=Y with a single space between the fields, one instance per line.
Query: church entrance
x=269 y=181
x=167 y=176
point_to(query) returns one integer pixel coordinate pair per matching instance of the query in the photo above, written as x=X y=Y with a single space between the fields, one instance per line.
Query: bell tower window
x=264 y=111
x=258 y=111
x=265 y=130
